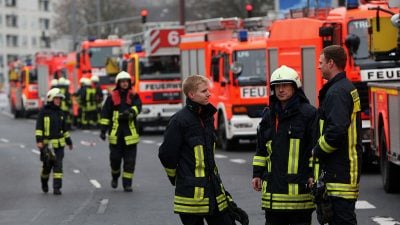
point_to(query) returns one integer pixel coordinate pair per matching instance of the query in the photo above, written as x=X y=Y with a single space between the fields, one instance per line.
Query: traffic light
x=143 y=13
x=249 y=9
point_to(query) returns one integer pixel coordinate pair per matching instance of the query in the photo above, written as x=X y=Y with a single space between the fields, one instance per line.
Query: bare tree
x=226 y=8
x=84 y=13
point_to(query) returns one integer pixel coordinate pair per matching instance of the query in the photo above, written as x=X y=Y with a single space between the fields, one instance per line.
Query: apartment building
x=25 y=28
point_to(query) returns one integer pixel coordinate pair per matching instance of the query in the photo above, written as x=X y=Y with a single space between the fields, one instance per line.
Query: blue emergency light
x=138 y=48
x=243 y=35
x=91 y=38
x=352 y=4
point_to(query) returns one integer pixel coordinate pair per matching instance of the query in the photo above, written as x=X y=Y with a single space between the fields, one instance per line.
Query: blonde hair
x=192 y=82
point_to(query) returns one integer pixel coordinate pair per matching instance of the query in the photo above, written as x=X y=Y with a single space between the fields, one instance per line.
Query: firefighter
x=98 y=96
x=118 y=117
x=187 y=153
x=284 y=142
x=51 y=137
x=339 y=145
x=87 y=103
x=53 y=83
x=66 y=103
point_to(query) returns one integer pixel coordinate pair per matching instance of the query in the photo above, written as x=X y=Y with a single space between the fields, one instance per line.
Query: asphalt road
x=88 y=199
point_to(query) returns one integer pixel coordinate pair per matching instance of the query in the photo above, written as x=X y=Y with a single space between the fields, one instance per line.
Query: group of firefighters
x=89 y=98
x=299 y=148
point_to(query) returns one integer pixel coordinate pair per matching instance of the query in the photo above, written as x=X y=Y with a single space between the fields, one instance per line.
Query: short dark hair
x=337 y=54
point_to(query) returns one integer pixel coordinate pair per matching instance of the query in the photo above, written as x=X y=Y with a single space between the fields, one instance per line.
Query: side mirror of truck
x=352 y=43
x=236 y=68
x=215 y=68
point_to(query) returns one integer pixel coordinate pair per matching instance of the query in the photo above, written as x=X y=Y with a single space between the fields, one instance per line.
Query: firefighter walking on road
x=51 y=137
x=118 y=117
x=98 y=97
x=66 y=102
x=281 y=168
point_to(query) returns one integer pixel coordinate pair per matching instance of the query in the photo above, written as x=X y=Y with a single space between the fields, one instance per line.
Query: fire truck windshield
x=159 y=67
x=360 y=28
x=253 y=66
x=99 y=55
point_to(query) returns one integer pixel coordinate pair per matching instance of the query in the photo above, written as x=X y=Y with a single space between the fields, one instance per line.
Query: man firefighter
x=187 y=153
x=118 y=117
x=51 y=137
x=281 y=164
x=87 y=103
x=98 y=96
x=66 y=103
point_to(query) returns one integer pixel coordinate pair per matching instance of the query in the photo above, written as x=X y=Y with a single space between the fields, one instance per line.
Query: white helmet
x=85 y=81
x=67 y=82
x=54 y=82
x=61 y=81
x=54 y=93
x=94 y=79
x=285 y=74
x=122 y=76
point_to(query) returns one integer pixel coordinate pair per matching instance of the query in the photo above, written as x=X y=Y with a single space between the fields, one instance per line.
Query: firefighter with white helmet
x=284 y=143
x=98 y=96
x=118 y=117
x=51 y=137
x=87 y=103
x=66 y=103
x=54 y=83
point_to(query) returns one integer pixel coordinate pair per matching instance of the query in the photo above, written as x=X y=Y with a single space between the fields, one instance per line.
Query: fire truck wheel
x=224 y=143
x=389 y=171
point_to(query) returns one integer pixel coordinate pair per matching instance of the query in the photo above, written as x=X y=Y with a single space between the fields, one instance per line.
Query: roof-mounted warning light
x=352 y=4
x=91 y=38
x=138 y=48
x=243 y=35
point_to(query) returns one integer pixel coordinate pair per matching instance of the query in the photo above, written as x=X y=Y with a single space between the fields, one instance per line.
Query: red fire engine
x=346 y=26
x=23 y=90
x=231 y=52
x=154 y=66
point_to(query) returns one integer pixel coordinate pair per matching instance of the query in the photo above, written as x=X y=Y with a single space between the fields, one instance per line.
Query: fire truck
x=23 y=90
x=231 y=52
x=385 y=101
x=154 y=64
x=100 y=57
x=298 y=40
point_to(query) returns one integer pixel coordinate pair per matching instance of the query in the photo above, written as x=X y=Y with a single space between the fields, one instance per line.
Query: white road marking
x=22 y=146
x=88 y=143
x=95 y=183
x=76 y=171
x=159 y=144
x=8 y=114
x=103 y=206
x=4 y=140
x=86 y=131
x=220 y=156
x=148 y=141
x=239 y=161
x=96 y=132
x=385 y=220
x=364 y=205
x=35 y=151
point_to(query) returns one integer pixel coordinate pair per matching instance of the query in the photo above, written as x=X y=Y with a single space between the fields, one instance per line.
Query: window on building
x=44 y=24
x=11 y=3
x=44 y=5
x=34 y=41
x=11 y=20
x=45 y=42
x=12 y=40
x=24 y=41
x=1 y=40
x=1 y=19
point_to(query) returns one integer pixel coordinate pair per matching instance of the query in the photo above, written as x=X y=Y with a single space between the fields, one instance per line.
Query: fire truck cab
x=23 y=90
x=154 y=64
x=231 y=52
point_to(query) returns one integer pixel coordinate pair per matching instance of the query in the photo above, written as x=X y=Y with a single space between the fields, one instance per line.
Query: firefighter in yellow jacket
x=118 y=117
x=51 y=137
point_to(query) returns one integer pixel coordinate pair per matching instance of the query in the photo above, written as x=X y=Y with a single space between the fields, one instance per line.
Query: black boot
x=128 y=189
x=57 y=191
x=114 y=183
x=45 y=187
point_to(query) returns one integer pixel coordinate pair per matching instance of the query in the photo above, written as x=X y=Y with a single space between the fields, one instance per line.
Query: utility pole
x=182 y=12
x=98 y=18
x=73 y=24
